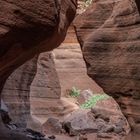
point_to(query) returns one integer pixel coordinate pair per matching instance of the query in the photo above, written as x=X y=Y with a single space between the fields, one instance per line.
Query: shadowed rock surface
x=36 y=79
x=16 y=92
x=26 y=29
x=108 y=32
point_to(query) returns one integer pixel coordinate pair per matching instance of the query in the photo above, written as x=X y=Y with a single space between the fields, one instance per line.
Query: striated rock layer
x=71 y=67
x=45 y=86
x=46 y=83
x=16 y=92
x=109 y=34
x=22 y=30
x=26 y=29
x=36 y=79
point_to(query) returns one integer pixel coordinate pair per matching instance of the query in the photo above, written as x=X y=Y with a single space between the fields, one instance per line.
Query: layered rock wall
x=71 y=67
x=46 y=83
x=109 y=34
x=44 y=87
x=28 y=28
x=16 y=92
x=34 y=81
x=22 y=30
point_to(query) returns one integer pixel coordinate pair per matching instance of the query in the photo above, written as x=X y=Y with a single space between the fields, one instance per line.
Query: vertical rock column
x=16 y=92
x=45 y=86
x=21 y=91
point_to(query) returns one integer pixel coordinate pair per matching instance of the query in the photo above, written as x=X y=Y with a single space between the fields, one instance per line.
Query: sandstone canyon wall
x=109 y=34
x=35 y=80
x=71 y=67
x=45 y=87
x=16 y=92
x=22 y=30
x=25 y=29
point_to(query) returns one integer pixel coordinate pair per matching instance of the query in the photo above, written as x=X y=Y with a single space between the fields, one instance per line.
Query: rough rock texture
x=28 y=28
x=109 y=34
x=16 y=92
x=104 y=118
x=44 y=108
x=52 y=126
x=22 y=30
x=46 y=83
x=36 y=79
x=71 y=67
x=84 y=96
x=138 y=4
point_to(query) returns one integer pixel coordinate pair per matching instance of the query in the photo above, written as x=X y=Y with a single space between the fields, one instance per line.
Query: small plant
x=74 y=92
x=93 y=101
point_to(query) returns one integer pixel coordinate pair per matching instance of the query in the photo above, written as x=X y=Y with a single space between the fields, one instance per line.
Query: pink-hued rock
x=109 y=32
x=71 y=67
x=16 y=92
x=36 y=78
x=46 y=83
x=104 y=117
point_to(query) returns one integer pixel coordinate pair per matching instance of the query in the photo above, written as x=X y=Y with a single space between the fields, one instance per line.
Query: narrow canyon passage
x=87 y=88
x=56 y=76
x=71 y=67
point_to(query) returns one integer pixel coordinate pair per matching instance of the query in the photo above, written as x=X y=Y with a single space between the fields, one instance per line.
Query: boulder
x=80 y=121
x=104 y=118
x=52 y=126
x=84 y=96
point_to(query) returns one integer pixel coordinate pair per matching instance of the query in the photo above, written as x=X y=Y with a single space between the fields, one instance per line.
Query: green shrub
x=74 y=92
x=94 y=100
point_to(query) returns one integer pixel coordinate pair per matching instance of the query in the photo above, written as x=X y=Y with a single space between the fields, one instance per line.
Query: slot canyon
x=69 y=70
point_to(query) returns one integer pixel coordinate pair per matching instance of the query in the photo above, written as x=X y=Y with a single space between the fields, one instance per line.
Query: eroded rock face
x=105 y=117
x=138 y=4
x=108 y=32
x=71 y=67
x=46 y=83
x=22 y=30
x=16 y=92
x=26 y=29
x=36 y=79
x=44 y=87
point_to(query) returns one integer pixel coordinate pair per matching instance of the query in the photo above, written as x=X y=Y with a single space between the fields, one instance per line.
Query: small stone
x=52 y=126
x=52 y=137
x=118 y=129
x=84 y=96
